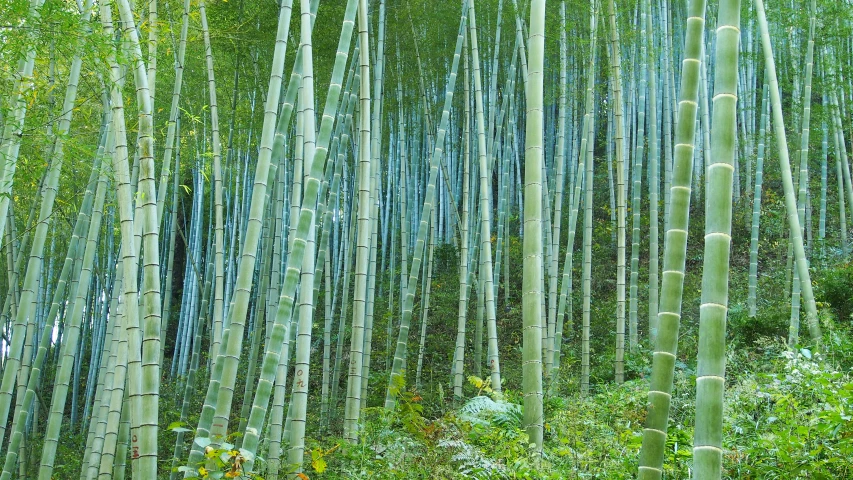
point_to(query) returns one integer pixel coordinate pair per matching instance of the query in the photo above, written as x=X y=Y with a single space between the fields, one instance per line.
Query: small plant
x=221 y=459
x=318 y=457
x=481 y=385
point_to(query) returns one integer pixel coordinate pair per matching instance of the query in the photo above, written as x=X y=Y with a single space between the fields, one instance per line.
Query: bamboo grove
x=244 y=208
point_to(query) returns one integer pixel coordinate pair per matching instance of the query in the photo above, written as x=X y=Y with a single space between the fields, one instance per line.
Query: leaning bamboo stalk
x=559 y=155
x=97 y=423
x=10 y=141
x=396 y=380
x=127 y=311
x=670 y=120
x=353 y=400
x=63 y=373
x=258 y=325
x=425 y=295
x=587 y=227
x=334 y=199
x=787 y=182
x=189 y=386
x=675 y=249
x=348 y=242
x=220 y=389
x=36 y=260
x=844 y=182
x=564 y=311
x=794 y=325
x=173 y=230
x=318 y=152
x=92 y=403
x=462 y=311
x=375 y=195
x=498 y=153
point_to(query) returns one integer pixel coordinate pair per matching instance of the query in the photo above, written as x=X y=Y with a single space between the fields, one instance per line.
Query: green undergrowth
x=788 y=414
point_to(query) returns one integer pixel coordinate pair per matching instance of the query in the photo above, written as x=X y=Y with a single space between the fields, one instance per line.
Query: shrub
x=835 y=287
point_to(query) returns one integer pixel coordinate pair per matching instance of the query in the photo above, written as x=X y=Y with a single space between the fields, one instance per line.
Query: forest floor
x=788 y=411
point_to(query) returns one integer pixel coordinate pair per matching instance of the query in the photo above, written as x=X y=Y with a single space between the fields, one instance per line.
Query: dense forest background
x=413 y=239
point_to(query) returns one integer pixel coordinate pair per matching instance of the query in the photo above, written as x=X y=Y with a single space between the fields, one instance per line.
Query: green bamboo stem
x=167 y=302
x=675 y=248
x=493 y=81
x=586 y=270
x=105 y=354
x=794 y=326
x=299 y=397
x=375 y=182
x=636 y=191
x=25 y=313
x=670 y=122
x=500 y=151
x=144 y=379
x=704 y=152
x=823 y=181
x=844 y=170
x=710 y=370
x=258 y=328
x=350 y=243
x=300 y=259
x=485 y=209
x=425 y=296
x=63 y=374
x=98 y=422
x=462 y=315
x=616 y=72
x=752 y=294
x=190 y=385
x=327 y=344
x=654 y=181
x=787 y=181
x=842 y=220
x=565 y=311
x=559 y=158
x=338 y=147
x=218 y=226
x=354 y=380
x=532 y=294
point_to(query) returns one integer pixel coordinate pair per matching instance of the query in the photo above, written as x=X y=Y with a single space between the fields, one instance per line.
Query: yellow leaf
x=319 y=465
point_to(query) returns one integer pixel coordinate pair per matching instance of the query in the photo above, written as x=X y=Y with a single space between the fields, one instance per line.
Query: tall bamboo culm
x=711 y=367
x=675 y=251
x=532 y=292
